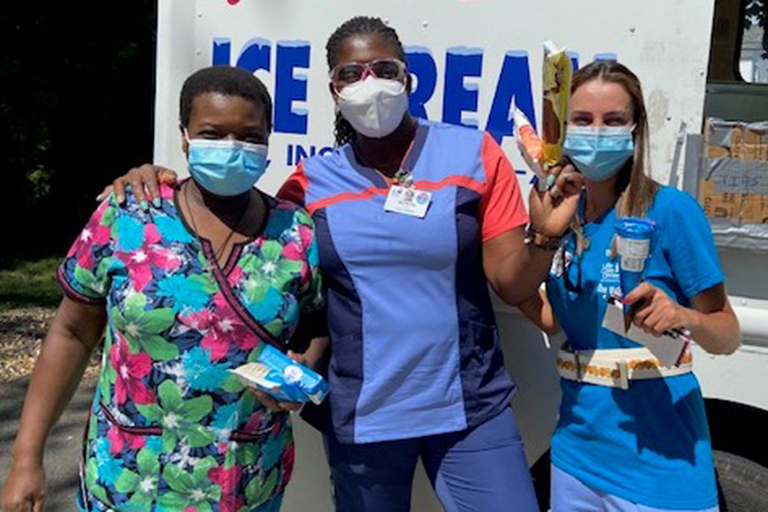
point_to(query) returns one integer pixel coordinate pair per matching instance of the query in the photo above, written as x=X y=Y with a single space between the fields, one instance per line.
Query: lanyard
x=577 y=226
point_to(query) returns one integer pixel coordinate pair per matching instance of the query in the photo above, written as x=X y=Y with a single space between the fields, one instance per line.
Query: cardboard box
x=733 y=181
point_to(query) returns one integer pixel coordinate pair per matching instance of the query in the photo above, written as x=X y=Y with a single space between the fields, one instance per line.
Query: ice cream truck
x=704 y=67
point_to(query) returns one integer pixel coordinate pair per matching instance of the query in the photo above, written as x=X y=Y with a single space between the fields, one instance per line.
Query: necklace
x=401 y=177
x=217 y=253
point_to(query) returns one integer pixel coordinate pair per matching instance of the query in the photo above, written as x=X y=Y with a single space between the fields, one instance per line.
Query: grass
x=29 y=283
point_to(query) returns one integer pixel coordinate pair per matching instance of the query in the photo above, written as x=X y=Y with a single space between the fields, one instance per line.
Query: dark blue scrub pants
x=483 y=469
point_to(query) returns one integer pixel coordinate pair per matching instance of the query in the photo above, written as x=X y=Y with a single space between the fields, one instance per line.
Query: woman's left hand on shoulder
x=655 y=312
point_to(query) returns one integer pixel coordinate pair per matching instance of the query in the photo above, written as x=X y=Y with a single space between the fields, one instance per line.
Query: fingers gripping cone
x=635 y=241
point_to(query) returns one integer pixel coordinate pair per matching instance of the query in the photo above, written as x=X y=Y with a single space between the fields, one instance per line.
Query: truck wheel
x=743 y=484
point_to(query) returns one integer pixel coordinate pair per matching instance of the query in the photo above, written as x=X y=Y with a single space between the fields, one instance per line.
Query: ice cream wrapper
x=558 y=73
x=635 y=239
x=282 y=378
x=529 y=143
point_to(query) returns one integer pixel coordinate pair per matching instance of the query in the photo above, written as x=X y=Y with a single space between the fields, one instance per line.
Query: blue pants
x=570 y=494
x=477 y=470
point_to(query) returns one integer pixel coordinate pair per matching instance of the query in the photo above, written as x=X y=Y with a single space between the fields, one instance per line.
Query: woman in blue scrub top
x=629 y=442
x=416 y=218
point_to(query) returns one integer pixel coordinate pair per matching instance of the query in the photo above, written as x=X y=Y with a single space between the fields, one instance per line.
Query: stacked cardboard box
x=734 y=180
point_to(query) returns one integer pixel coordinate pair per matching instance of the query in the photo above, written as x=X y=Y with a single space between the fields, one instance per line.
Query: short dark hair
x=355 y=27
x=226 y=80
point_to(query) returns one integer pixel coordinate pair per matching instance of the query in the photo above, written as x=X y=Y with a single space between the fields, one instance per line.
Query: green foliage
x=29 y=283
x=755 y=11
x=76 y=105
x=41 y=184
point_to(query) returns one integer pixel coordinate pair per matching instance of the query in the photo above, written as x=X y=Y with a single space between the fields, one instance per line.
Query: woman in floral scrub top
x=170 y=428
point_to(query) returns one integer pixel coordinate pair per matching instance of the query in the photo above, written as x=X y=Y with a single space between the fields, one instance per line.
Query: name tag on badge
x=408 y=201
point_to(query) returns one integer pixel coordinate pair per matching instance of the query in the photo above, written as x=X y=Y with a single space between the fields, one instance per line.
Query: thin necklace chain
x=217 y=253
x=400 y=177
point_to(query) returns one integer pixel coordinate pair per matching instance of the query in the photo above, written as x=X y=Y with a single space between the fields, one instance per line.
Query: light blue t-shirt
x=648 y=444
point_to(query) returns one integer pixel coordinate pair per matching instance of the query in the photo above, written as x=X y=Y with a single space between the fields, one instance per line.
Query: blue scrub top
x=415 y=348
x=648 y=444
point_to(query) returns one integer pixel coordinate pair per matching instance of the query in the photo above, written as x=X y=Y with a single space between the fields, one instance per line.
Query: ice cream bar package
x=558 y=72
x=529 y=144
x=635 y=239
x=282 y=378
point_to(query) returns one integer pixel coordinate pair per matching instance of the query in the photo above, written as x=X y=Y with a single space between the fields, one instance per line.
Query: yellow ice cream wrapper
x=558 y=74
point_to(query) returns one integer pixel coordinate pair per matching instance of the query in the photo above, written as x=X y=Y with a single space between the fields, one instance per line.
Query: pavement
x=62 y=452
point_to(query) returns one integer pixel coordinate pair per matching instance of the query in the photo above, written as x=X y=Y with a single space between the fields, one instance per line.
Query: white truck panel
x=665 y=43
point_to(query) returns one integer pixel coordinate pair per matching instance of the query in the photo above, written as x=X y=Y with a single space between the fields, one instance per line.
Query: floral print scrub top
x=171 y=429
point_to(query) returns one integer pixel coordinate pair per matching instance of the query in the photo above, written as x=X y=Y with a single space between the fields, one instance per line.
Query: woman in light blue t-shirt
x=632 y=433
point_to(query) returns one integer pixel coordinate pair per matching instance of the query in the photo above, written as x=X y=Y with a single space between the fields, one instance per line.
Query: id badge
x=408 y=201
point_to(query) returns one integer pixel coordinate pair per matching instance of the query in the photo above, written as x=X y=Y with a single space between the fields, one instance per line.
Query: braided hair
x=355 y=27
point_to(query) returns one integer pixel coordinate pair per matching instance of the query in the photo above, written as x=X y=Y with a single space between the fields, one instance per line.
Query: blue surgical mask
x=599 y=152
x=226 y=167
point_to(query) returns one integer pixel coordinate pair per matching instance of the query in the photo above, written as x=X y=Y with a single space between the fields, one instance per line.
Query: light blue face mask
x=226 y=167
x=599 y=152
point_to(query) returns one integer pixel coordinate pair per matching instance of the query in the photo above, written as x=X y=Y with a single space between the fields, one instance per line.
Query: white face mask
x=375 y=106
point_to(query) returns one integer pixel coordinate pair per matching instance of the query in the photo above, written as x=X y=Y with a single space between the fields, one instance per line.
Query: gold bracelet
x=542 y=241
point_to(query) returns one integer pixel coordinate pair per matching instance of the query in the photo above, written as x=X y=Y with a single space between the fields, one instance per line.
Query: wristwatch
x=542 y=241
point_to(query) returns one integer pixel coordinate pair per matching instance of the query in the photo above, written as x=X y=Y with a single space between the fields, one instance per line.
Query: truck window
x=753 y=57
x=739 y=50
x=737 y=80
